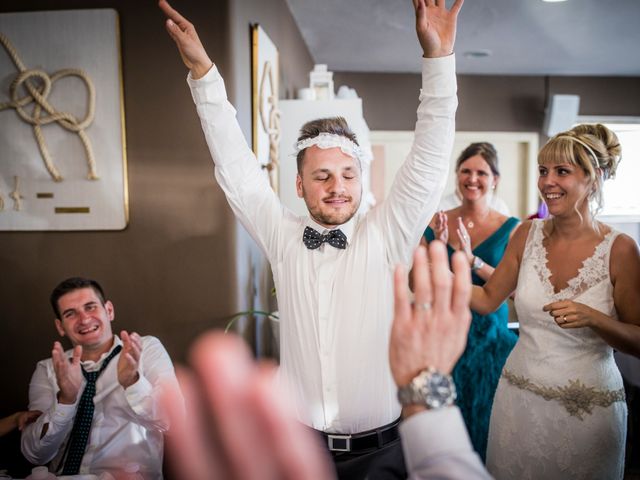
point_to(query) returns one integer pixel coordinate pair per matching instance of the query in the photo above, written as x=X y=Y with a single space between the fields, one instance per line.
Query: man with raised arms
x=333 y=269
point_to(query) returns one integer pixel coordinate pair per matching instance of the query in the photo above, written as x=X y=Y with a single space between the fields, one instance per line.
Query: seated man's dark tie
x=83 y=419
x=312 y=239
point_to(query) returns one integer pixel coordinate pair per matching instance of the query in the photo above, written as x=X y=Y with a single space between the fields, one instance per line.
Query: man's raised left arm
x=420 y=181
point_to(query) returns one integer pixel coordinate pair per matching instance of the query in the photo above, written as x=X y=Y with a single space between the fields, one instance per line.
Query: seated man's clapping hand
x=129 y=359
x=68 y=373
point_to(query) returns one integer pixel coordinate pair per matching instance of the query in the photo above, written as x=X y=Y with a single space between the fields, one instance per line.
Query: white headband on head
x=596 y=164
x=330 y=140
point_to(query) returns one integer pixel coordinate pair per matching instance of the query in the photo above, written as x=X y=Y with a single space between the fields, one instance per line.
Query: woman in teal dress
x=482 y=233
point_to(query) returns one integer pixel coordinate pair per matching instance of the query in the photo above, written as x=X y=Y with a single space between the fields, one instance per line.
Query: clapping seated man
x=238 y=427
x=99 y=400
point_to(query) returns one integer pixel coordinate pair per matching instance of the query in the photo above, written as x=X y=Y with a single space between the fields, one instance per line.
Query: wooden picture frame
x=265 y=113
x=63 y=163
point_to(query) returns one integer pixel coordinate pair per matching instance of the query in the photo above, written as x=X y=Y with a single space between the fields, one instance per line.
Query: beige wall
x=183 y=264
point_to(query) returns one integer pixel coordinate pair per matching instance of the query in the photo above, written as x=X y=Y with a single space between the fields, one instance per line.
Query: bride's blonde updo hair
x=592 y=147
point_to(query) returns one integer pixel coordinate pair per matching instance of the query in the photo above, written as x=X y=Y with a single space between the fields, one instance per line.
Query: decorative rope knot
x=272 y=126
x=15 y=195
x=43 y=113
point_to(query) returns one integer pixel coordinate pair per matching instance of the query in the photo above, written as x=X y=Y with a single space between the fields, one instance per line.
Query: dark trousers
x=385 y=463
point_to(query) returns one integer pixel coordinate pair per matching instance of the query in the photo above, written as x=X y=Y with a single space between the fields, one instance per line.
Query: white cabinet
x=294 y=114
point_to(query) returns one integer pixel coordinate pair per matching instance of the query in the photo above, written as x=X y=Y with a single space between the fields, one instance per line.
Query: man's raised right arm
x=244 y=182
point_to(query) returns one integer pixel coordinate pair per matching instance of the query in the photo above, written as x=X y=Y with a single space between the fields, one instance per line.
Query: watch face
x=438 y=390
x=429 y=388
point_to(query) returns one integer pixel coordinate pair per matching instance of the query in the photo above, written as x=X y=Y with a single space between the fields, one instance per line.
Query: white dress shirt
x=436 y=444
x=336 y=306
x=127 y=425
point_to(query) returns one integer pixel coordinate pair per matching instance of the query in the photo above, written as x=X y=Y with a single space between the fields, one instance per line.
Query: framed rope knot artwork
x=62 y=142
x=265 y=111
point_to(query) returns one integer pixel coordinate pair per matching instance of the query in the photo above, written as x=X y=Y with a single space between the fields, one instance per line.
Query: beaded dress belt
x=576 y=397
x=363 y=441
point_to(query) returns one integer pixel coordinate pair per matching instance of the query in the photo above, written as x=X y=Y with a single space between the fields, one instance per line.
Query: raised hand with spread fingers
x=436 y=26
x=129 y=359
x=68 y=373
x=431 y=332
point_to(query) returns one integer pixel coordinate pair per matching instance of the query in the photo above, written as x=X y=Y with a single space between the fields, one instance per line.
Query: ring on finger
x=564 y=319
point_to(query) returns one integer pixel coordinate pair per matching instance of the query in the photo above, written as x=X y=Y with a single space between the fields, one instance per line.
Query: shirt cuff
x=63 y=413
x=209 y=88
x=136 y=393
x=437 y=432
x=439 y=76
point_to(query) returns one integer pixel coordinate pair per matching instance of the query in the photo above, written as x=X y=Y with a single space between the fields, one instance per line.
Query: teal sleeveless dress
x=489 y=343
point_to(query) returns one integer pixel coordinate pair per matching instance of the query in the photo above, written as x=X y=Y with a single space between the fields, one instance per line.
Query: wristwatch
x=429 y=388
x=477 y=263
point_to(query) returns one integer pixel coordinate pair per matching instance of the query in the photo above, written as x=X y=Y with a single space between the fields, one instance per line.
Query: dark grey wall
x=183 y=264
x=490 y=103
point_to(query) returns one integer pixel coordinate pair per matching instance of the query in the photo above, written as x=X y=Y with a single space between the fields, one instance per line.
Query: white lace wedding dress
x=559 y=411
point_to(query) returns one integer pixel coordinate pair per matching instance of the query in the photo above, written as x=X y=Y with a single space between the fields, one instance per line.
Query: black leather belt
x=363 y=441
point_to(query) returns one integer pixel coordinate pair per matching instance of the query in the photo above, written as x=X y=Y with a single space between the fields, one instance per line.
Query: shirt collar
x=90 y=365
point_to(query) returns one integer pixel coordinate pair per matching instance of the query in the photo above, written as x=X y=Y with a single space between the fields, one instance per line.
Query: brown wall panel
x=183 y=264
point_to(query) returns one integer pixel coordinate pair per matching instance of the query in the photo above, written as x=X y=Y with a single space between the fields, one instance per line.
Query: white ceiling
x=525 y=37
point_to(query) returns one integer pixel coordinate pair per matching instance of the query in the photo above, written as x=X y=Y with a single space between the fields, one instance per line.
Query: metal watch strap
x=477 y=263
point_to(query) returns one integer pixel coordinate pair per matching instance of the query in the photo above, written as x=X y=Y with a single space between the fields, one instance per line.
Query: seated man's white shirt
x=336 y=306
x=127 y=425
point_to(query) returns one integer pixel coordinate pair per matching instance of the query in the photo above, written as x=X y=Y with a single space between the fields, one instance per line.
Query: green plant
x=238 y=315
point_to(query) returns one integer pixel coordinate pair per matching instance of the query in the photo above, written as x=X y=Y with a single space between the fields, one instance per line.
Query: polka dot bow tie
x=312 y=239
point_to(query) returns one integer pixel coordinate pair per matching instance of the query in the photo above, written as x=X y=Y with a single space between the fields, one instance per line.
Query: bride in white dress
x=559 y=411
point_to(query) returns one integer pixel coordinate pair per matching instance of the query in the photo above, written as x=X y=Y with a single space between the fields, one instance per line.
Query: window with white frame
x=621 y=194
